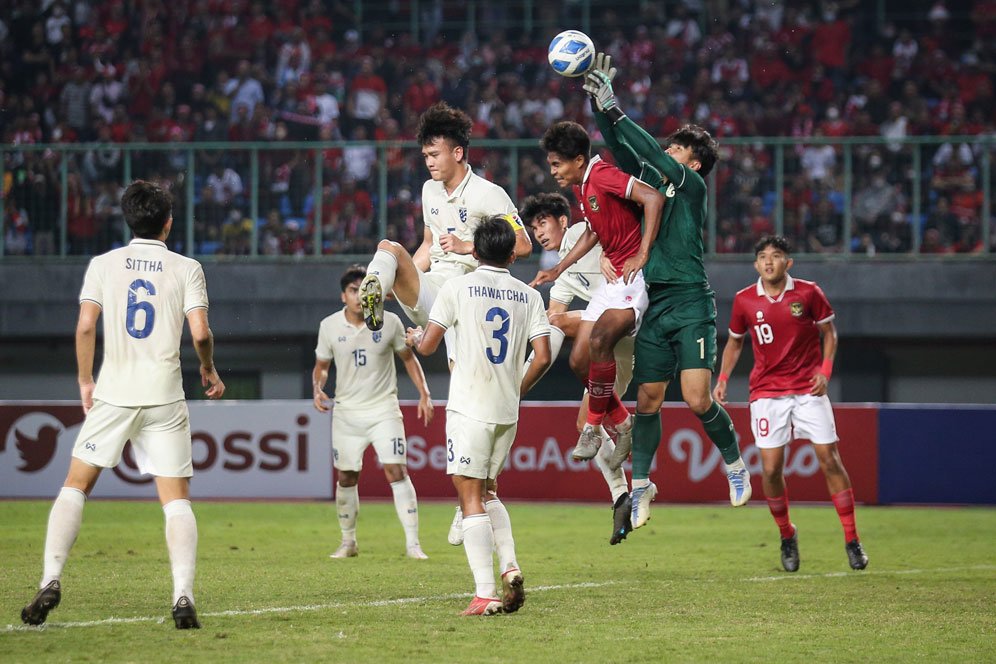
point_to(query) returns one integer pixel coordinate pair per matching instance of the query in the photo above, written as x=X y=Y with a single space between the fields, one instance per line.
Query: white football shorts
x=476 y=449
x=619 y=295
x=429 y=284
x=160 y=437
x=352 y=434
x=777 y=421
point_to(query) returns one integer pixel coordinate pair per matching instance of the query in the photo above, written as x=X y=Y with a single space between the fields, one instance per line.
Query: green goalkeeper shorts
x=678 y=332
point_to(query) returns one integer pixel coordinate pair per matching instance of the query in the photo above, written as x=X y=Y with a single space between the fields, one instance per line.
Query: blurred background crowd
x=286 y=71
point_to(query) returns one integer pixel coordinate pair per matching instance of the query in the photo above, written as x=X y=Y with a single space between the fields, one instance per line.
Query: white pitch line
x=829 y=575
x=291 y=609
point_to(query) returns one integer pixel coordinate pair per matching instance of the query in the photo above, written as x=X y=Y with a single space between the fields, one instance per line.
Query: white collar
x=156 y=243
x=491 y=268
x=789 y=285
x=587 y=171
x=460 y=187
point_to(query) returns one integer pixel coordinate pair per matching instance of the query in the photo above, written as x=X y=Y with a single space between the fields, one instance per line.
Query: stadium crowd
x=127 y=71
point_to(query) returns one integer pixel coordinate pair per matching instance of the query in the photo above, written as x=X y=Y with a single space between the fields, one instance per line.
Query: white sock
x=637 y=483
x=63 y=526
x=556 y=342
x=501 y=526
x=406 y=505
x=478 y=541
x=616 y=479
x=347 y=504
x=181 y=541
x=385 y=266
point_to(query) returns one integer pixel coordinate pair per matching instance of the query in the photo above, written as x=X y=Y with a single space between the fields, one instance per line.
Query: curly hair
x=443 y=121
x=704 y=147
x=568 y=139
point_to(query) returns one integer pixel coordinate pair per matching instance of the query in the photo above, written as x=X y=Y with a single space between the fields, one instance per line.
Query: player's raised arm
x=828 y=341
x=320 y=376
x=652 y=202
x=586 y=242
x=86 y=343
x=197 y=319
x=414 y=369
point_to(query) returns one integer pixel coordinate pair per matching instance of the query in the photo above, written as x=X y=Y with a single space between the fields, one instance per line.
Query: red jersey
x=784 y=335
x=604 y=197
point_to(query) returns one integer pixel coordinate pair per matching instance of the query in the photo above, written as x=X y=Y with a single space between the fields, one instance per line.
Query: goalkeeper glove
x=598 y=83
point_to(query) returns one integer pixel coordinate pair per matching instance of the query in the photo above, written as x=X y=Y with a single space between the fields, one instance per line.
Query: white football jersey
x=459 y=213
x=145 y=292
x=365 y=376
x=584 y=277
x=495 y=317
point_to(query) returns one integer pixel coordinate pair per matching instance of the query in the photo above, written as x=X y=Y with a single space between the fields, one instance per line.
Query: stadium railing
x=833 y=196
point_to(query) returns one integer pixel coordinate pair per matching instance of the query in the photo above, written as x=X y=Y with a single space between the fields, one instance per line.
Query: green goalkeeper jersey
x=676 y=255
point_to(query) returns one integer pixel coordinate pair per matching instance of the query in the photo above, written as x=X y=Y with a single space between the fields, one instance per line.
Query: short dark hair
x=704 y=147
x=146 y=207
x=443 y=121
x=779 y=242
x=543 y=204
x=494 y=240
x=353 y=273
x=568 y=139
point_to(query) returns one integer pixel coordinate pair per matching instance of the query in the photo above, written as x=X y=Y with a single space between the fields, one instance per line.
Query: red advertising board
x=688 y=467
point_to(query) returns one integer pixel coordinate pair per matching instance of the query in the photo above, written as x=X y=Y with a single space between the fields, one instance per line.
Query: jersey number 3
x=135 y=306
x=500 y=334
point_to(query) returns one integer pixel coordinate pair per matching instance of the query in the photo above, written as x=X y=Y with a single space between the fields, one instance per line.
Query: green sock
x=646 y=439
x=719 y=427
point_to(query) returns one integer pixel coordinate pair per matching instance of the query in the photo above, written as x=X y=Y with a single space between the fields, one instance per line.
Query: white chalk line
x=292 y=609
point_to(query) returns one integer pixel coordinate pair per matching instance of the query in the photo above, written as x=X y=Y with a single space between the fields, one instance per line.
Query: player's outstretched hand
x=609 y=272
x=86 y=395
x=603 y=63
x=598 y=85
x=819 y=383
x=322 y=402
x=719 y=392
x=633 y=265
x=425 y=409
x=544 y=276
x=212 y=381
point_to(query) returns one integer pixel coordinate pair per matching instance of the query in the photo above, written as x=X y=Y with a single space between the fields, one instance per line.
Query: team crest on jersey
x=377 y=336
x=669 y=192
x=593 y=203
x=796 y=309
x=463 y=215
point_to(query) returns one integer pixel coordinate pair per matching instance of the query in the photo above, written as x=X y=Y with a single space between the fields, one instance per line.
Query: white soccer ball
x=571 y=53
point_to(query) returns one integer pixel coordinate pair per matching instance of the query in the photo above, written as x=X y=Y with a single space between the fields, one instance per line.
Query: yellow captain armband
x=513 y=220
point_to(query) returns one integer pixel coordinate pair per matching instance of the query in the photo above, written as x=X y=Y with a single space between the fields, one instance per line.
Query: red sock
x=617 y=413
x=844 y=502
x=779 y=507
x=601 y=378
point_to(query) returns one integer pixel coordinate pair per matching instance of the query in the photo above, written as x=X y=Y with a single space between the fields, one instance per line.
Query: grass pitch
x=696 y=584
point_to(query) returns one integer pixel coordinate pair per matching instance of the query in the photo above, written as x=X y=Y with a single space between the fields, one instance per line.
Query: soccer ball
x=571 y=53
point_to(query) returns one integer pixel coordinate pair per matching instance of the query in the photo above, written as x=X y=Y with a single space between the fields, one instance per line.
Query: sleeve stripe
x=684 y=174
x=541 y=334
x=827 y=319
x=629 y=186
x=737 y=336
x=436 y=322
x=90 y=299
x=196 y=306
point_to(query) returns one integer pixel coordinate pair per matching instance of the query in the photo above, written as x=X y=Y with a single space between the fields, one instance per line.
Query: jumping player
x=144 y=291
x=366 y=408
x=678 y=336
x=454 y=201
x=791 y=328
x=495 y=318
x=613 y=203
